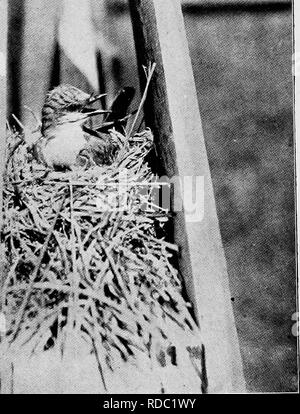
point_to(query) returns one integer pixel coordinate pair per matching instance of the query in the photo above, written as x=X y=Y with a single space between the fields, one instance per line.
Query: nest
x=86 y=253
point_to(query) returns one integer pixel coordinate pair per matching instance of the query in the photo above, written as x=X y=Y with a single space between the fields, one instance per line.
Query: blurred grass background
x=242 y=66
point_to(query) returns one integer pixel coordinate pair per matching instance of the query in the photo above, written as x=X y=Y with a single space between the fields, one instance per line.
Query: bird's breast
x=62 y=146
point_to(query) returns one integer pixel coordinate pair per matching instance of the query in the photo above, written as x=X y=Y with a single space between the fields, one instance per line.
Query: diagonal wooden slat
x=172 y=112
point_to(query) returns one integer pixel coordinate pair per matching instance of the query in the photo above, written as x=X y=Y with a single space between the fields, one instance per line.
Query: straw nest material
x=85 y=256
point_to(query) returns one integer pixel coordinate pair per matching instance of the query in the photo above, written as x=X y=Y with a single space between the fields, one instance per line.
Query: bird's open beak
x=96 y=98
x=95 y=112
x=92 y=100
x=80 y=117
x=85 y=115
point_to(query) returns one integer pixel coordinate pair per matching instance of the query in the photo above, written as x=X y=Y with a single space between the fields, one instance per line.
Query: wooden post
x=3 y=52
x=172 y=112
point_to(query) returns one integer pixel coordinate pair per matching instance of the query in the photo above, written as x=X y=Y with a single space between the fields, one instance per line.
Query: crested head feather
x=63 y=98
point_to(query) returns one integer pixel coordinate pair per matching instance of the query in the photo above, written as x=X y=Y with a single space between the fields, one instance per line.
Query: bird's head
x=65 y=104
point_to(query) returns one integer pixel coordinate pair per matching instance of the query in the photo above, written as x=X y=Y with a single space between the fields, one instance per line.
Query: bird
x=66 y=141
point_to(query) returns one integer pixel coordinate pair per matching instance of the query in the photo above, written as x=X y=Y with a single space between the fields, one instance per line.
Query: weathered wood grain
x=172 y=112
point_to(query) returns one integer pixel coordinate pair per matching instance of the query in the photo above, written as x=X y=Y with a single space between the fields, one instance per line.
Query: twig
x=149 y=75
x=20 y=124
x=118 y=276
x=35 y=273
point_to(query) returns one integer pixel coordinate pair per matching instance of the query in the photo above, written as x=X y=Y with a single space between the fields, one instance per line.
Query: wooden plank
x=172 y=112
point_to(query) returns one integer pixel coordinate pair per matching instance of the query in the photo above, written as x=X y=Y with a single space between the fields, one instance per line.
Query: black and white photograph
x=148 y=199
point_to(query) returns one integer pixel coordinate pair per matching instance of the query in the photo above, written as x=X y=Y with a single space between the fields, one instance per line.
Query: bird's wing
x=98 y=150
